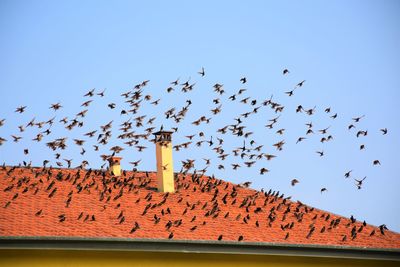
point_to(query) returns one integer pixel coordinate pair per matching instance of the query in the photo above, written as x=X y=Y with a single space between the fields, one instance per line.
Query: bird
x=321 y=153
x=86 y=103
x=135 y=163
x=240 y=238
x=360 y=182
x=357 y=119
x=300 y=84
x=38 y=213
x=300 y=139
x=347 y=174
x=90 y=93
x=290 y=93
x=384 y=131
x=382 y=228
x=294 y=182
x=245 y=184
x=135 y=227
x=156 y=102
x=372 y=232
x=16 y=138
x=55 y=106
x=285 y=71
x=323 y=189
x=175 y=82
x=243 y=79
x=286 y=236
x=364 y=133
x=101 y=94
x=61 y=217
x=324 y=131
x=20 y=109
x=269 y=156
x=376 y=162
x=202 y=73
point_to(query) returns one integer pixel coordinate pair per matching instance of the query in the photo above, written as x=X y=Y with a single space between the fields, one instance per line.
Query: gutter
x=191 y=246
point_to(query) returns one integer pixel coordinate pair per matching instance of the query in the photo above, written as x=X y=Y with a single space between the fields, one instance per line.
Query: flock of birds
x=138 y=129
x=198 y=201
x=136 y=132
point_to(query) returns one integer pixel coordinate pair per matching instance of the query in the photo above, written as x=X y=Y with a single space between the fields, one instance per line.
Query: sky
x=346 y=51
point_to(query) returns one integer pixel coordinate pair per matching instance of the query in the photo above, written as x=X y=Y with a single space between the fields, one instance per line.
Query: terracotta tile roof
x=81 y=203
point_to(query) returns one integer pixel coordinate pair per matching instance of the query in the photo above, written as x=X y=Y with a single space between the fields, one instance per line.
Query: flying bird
x=347 y=174
x=90 y=93
x=20 y=109
x=55 y=106
x=202 y=73
x=376 y=162
x=360 y=182
x=357 y=119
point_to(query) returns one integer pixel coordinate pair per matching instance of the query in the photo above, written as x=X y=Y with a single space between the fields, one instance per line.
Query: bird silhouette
x=202 y=73
x=294 y=182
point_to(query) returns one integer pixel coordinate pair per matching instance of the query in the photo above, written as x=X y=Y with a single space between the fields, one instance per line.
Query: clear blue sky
x=347 y=51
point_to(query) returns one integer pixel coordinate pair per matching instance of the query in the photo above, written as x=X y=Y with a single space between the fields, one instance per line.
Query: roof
x=43 y=202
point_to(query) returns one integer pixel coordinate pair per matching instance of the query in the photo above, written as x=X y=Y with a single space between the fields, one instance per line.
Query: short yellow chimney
x=165 y=167
x=115 y=165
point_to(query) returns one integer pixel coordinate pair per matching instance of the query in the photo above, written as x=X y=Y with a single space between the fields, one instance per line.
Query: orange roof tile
x=83 y=203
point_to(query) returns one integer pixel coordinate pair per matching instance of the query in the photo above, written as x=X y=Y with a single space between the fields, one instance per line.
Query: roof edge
x=195 y=246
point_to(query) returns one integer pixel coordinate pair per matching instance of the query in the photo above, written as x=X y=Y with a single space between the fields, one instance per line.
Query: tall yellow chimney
x=165 y=167
x=115 y=165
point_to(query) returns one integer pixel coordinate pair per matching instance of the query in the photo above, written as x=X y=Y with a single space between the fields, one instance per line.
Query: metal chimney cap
x=163 y=132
